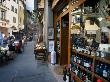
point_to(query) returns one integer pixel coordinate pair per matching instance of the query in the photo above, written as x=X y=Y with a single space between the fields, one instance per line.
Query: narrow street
x=25 y=68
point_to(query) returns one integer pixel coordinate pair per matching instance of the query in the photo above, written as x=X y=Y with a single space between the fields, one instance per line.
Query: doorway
x=64 y=39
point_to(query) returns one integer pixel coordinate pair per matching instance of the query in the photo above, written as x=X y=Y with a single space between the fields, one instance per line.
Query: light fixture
x=74 y=1
x=100 y=18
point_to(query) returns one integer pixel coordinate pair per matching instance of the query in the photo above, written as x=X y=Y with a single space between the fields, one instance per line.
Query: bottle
x=84 y=76
x=75 y=58
x=81 y=62
x=89 y=77
x=84 y=62
x=99 y=80
x=78 y=59
x=91 y=65
x=97 y=68
x=108 y=76
x=105 y=73
x=101 y=70
x=72 y=58
x=78 y=74
x=98 y=52
x=89 y=51
x=87 y=65
x=76 y=70
x=103 y=53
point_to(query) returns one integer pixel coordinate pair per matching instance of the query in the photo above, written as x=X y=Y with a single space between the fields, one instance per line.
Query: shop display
x=40 y=48
x=89 y=61
x=103 y=70
x=58 y=37
x=85 y=65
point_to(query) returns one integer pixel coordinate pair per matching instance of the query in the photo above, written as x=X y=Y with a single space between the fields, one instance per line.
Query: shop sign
x=51 y=45
x=51 y=33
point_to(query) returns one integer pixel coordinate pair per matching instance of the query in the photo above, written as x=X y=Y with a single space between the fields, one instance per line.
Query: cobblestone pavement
x=25 y=68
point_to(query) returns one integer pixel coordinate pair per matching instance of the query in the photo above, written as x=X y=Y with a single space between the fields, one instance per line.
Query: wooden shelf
x=97 y=76
x=87 y=55
x=103 y=60
x=83 y=68
x=76 y=77
x=83 y=54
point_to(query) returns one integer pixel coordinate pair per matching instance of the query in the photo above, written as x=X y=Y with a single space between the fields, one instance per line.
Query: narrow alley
x=25 y=68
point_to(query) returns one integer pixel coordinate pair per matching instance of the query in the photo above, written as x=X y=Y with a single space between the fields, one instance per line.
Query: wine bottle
x=91 y=65
x=81 y=61
x=108 y=76
x=97 y=68
x=101 y=69
x=72 y=58
x=105 y=72
x=84 y=76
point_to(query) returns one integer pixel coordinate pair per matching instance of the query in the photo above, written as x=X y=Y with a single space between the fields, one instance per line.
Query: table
x=40 y=52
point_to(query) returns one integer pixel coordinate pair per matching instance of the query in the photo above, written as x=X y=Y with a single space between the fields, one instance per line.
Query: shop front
x=62 y=25
x=82 y=40
x=90 y=46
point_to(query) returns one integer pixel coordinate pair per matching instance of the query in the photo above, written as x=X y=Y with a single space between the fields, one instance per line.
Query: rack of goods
x=87 y=67
x=90 y=61
x=40 y=50
x=58 y=37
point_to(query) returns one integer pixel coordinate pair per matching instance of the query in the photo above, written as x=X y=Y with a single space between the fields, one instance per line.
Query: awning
x=91 y=29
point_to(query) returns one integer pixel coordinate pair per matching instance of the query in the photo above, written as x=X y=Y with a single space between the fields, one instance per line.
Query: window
x=17 y=1
x=15 y=10
x=20 y=20
x=0 y=1
x=2 y=15
x=20 y=7
x=14 y=19
x=12 y=8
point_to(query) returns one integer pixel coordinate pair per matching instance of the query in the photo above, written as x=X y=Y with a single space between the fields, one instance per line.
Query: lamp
x=100 y=18
x=74 y=1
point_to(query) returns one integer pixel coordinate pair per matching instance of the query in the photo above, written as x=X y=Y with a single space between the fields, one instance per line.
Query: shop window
x=12 y=8
x=20 y=20
x=2 y=15
x=20 y=7
x=14 y=19
x=15 y=10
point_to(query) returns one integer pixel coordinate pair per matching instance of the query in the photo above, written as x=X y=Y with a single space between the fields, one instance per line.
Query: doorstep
x=57 y=75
